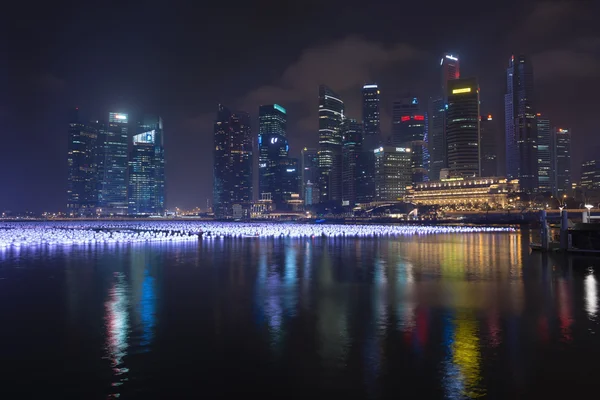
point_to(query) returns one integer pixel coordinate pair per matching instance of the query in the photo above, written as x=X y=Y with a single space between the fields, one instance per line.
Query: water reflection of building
x=462 y=367
x=591 y=295
x=277 y=287
x=117 y=327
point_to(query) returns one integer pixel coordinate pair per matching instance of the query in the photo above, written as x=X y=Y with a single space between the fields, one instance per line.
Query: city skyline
x=35 y=173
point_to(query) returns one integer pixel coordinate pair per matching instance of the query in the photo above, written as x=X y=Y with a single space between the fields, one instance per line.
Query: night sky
x=180 y=61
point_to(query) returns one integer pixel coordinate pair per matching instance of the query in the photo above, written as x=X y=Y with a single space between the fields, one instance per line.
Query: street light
x=589 y=208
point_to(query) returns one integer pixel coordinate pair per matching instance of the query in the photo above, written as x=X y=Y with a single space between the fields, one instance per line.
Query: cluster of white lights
x=97 y=232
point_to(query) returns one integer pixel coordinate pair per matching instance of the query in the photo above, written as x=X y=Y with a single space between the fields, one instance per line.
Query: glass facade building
x=274 y=158
x=590 y=175
x=393 y=173
x=232 y=161
x=147 y=169
x=370 y=110
x=520 y=124
x=112 y=196
x=409 y=129
x=449 y=70
x=310 y=173
x=331 y=115
x=82 y=191
x=352 y=132
x=273 y=154
x=489 y=148
x=562 y=160
x=463 y=127
x=546 y=172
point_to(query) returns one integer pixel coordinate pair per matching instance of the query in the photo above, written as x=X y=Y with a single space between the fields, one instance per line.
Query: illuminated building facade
x=290 y=180
x=274 y=159
x=562 y=160
x=463 y=127
x=469 y=193
x=409 y=129
x=112 y=196
x=273 y=150
x=82 y=193
x=521 y=124
x=370 y=103
x=436 y=142
x=450 y=70
x=352 y=132
x=489 y=147
x=393 y=173
x=309 y=171
x=232 y=168
x=331 y=115
x=590 y=175
x=545 y=145
x=147 y=169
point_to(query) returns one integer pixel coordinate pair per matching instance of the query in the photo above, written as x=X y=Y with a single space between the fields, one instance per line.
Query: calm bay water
x=447 y=316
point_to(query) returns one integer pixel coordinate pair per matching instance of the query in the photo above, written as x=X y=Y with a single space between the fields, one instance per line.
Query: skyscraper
x=310 y=173
x=370 y=106
x=113 y=188
x=147 y=169
x=232 y=161
x=273 y=151
x=331 y=114
x=462 y=127
x=272 y=120
x=488 y=145
x=393 y=173
x=274 y=161
x=352 y=132
x=545 y=152
x=82 y=193
x=450 y=70
x=562 y=159
x=521 y=125
x=590 y=175
x=409 y=129
x=437 y=142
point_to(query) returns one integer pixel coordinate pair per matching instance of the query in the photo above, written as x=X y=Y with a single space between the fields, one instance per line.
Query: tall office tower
x=147 y=169
x=370 y=111
x=437 y=143
x=274 y=158
x=521 y=125
x=273 y=150
x=309 y=172
x=489 y=148
x=590 y=175
x=331 y=114
x=82 y=193
x=409 y=129
x=272 y=120
x=393 y=173
x=232 y=168
x=462 y=127
x=290 y=179
x=112 y=195
x=352 y=132
x=562 y=160
x=545 y=145
x=450 y=70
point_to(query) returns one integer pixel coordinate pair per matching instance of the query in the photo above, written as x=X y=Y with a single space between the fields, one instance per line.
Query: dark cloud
x=344 y=65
